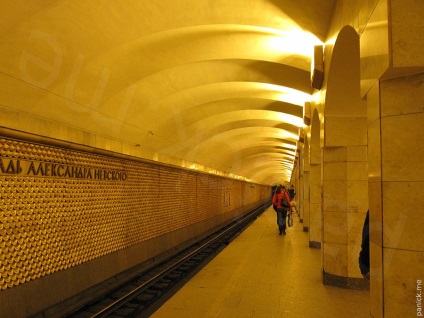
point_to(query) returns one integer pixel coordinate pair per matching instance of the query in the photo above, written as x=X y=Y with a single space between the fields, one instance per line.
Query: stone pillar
x=295 y=181
x=345 y=188
x=305 y=186
x=396 y=173
x=392 y=66
x=305 y=205
x=315 y=206
x=300 y=198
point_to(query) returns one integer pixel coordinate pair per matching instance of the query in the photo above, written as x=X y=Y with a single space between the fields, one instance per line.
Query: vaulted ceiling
x=217 y=83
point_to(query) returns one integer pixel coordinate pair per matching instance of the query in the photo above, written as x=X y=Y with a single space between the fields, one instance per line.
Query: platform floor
x=263 y=274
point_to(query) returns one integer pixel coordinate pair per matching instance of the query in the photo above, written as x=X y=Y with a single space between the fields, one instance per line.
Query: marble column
x=396 y=173
x=300 y=198
x=345 y=202
x=315 y=206
x=392 y=77
x=295 y=180
x=305 y=186
x=305 y=206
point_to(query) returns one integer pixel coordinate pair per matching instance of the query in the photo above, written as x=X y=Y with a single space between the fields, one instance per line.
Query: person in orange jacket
x=281 y=200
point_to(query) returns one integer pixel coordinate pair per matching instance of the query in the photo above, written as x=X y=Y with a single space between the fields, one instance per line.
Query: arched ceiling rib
x=239 y=146
x=201 y=47
x=220 y=83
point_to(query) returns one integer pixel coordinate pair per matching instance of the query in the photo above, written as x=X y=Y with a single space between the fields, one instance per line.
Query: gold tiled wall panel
x=51 y=223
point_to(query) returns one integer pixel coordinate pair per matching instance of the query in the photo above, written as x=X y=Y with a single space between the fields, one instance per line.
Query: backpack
x=283 y=202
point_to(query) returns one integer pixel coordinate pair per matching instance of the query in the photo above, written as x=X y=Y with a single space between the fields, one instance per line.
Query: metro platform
x=263 y=274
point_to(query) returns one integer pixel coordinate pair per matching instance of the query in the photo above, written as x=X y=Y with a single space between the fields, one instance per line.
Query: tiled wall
x=60 y=208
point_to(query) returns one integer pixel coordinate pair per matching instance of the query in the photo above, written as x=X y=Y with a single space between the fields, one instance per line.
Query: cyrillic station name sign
x=58 y=170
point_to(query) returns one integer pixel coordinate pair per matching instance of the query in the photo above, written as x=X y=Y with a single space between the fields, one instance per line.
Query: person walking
x=281 y=200
x=292 y=192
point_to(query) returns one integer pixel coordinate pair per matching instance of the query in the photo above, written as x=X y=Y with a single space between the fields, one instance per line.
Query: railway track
x=142 y=295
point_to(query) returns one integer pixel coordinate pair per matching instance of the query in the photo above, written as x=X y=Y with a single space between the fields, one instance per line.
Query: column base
x=345 y=282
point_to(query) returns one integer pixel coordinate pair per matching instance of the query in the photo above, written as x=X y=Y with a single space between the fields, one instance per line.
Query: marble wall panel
x=335 y=259
x=315 y=185
x=306 y=214
x=373 y=104
x=407 y=43
x=306 y=201
x=403 y=219
x=374 y=151
x=335 y=227
x=357 y=196
x=353 y=270
x=402 y=148
x=300 y=199
x=400 y=290
x=357 y=153
x=345 y=131
x=335 y=196
x=357 y=170
x=315 y=156
x=315 y=194
x=334 y=154
x=376 y=213
x=376 y=280
x=335 y=171
x=374 y=47
x=355 y=225
x=402 y=95
x=315 y=234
